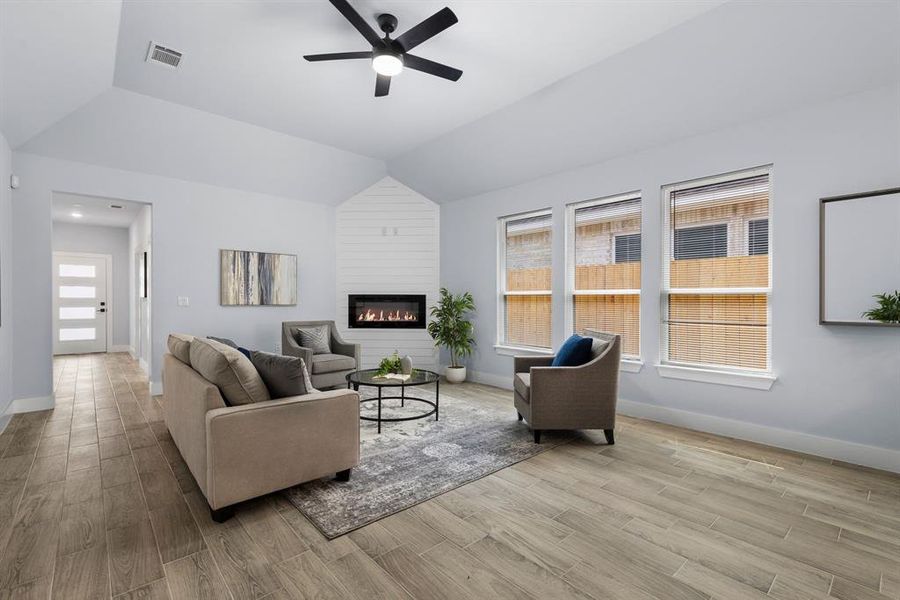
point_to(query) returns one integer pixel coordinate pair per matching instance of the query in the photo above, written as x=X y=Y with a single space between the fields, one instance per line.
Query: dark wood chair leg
x=220 y=515
x=537 y=436
x=610 y=436
x=343 y=475
x=520 y=415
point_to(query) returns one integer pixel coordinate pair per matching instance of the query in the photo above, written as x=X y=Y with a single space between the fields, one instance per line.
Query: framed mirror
x=859 y=259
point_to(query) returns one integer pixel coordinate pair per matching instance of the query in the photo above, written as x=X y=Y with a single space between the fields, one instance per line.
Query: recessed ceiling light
x=77 y=214
x=76 y=206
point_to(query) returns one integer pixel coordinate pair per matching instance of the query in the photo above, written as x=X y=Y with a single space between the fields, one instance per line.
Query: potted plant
x=450 y=329
x=888 y=309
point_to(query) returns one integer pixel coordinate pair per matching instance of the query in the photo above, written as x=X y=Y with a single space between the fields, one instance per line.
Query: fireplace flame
x=397 y=315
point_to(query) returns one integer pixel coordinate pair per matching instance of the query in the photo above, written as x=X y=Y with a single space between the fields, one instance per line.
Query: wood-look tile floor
x=95 y=502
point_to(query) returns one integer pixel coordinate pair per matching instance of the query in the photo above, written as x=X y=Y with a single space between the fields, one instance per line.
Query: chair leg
x=520 y=415
x=610 y=436
x=343 y=475
x=220 y=515
x=537 y=436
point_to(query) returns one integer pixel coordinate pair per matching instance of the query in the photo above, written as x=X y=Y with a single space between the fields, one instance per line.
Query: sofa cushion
x=328 y=363
x=315 y=337
x=522 y=384
x=575 y=351
x=179 y=345
x=284 y=376
x=229 y=370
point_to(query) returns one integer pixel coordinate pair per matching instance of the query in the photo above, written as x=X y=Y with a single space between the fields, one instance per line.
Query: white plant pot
x=455 y=374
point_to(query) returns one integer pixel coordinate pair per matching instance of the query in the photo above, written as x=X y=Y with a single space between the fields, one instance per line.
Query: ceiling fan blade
x=337 y=56
x=432 y=68
x=427 y=29
x=357 y=21
x=382 y=85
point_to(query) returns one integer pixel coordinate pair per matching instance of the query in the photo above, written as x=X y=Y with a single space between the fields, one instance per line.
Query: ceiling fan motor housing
x=387 y=23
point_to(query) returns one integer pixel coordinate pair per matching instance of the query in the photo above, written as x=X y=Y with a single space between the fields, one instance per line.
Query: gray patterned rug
x=414 y=461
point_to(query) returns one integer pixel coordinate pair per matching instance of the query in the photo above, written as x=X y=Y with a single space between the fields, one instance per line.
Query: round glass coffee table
x=418 y=377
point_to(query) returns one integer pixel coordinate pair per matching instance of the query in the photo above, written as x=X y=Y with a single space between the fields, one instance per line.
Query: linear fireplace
x=386 y=311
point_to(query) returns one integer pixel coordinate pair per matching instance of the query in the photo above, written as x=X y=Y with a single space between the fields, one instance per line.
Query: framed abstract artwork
x=257 y=278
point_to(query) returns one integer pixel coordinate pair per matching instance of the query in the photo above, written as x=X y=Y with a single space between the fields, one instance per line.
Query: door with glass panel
x=80 y=307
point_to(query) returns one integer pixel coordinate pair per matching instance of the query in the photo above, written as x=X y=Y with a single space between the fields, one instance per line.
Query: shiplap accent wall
x=388 y=242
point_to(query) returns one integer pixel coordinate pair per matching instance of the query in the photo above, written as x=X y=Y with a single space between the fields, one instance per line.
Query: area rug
x=413 y=461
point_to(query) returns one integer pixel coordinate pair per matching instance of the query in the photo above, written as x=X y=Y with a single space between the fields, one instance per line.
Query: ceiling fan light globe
x=387 y=64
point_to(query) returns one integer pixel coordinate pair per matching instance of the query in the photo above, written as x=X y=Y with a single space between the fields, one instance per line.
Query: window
x=758 y=237
x=705 y=241
x=717 y=273
x=524 y=280
x=604 y=268
x=628 y=248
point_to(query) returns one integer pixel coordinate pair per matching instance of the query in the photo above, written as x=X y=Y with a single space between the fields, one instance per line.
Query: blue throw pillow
x=574 y=352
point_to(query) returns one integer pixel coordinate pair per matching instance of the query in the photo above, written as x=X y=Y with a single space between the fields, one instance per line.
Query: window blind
x=607 y=269
x=525 y=293
x=716 y=276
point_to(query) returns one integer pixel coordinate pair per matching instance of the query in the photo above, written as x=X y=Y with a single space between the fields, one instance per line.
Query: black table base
x=435 y=406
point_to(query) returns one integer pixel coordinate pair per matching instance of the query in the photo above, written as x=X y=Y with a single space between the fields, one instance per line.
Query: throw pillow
x=575 y=351
x=285 y=376
x=229 y=370
x=225 y=341
x=179 y=345
x=317 y=339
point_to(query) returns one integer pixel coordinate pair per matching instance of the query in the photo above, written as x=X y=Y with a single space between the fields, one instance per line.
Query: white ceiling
x=243 y=60
x=94 y=210
x=54 y=57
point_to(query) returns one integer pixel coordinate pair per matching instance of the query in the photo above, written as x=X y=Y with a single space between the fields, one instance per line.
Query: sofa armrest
x=290 y=347
x=523 y=364
x=255 y=449
x=340 y=346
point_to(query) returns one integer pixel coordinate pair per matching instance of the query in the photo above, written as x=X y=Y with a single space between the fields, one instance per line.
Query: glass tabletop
x=368 y=377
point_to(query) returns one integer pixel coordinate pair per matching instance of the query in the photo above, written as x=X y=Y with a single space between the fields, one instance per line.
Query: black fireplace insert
x=386 y=311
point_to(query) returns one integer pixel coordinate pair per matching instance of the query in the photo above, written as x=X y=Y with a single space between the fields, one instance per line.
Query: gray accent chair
x=325 y=370
x=582 y=397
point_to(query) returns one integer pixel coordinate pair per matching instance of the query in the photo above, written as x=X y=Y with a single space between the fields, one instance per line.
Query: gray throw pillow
x=225 y=341
x=284 y=376
x=317 y=339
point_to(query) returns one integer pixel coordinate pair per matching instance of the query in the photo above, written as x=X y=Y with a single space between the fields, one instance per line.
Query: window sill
x=521 y=351
x=631 y=365
x=756 y=381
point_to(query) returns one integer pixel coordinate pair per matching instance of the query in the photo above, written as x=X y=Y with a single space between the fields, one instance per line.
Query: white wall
x=838 y=383
x=6 y=270
x=373 y=259
x=73 y=237
x=191 y=223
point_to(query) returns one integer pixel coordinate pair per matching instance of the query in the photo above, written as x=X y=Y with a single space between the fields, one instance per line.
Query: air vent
x=164 y=56
x=118 y=206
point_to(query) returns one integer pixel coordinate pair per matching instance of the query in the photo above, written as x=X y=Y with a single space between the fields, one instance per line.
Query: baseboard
x=122 y=348
x=499 y=381
x=144 y=366
x=156 y=388
x=23 y=405
x=851 y=452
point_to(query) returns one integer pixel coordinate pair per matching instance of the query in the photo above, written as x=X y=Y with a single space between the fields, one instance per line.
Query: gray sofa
x=325 y=370
x=582 y=397
x=240 y=452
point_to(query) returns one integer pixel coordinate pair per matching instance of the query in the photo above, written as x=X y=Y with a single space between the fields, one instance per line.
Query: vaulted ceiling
x=547 y=85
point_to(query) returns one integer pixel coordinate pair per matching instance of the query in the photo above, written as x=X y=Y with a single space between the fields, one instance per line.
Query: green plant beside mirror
x=888 y=309
x=451 y=329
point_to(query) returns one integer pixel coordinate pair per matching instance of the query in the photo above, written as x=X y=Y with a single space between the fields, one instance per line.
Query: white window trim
x=501 y=347
x=630 y=364
x=751 y=378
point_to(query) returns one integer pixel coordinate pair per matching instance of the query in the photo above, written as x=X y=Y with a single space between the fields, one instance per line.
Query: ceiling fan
x=389 y=56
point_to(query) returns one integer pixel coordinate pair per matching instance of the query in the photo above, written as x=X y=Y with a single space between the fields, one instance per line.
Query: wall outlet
x=277 y=347
x=184 y=301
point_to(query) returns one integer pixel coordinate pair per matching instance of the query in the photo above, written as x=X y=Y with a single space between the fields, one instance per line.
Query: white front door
x=80 y=306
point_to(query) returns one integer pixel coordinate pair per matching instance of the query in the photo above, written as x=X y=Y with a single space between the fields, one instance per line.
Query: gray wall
x=191 y=223
x=71 y=237
x=834 y=382
x=6 y=313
